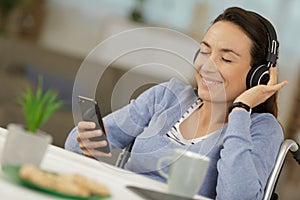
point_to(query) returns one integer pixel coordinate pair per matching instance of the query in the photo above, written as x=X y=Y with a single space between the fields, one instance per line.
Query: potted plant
x=11 y=11
x=26 y=143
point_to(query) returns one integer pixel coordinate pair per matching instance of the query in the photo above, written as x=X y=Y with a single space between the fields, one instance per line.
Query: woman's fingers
x=83 y=126
x=278 y=86
x=88 y=147
x=273 y=76
x=272 y=85
x=95 y=153
x=87 y=144
x=85 y=130
x=260 y=93
x=273 y=80
x=269 y=90
x=89 y=134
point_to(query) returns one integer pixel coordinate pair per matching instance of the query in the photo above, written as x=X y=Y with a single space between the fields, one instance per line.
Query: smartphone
x=90 y=112
x=155 y=195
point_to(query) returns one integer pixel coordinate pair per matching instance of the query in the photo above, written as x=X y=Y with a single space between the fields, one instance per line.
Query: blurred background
x=53 y=37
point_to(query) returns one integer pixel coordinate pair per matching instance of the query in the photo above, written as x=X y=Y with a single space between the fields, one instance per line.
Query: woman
x=214 y=120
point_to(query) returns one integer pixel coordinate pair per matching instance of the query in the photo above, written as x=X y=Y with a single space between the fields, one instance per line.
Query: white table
x=62 y=161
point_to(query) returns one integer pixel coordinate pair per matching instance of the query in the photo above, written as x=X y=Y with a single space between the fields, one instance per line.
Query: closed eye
x=226 y=60
x=204 y=52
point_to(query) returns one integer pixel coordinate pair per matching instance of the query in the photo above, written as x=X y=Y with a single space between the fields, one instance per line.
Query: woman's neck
x=212 y=115
x=205 y=120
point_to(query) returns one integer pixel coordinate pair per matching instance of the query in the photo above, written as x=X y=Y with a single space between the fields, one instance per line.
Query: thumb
x=280 y=85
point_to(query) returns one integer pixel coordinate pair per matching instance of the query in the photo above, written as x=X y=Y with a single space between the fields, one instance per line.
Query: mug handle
x=159 y=168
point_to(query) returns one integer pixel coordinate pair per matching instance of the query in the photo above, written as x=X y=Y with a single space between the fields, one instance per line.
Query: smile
x=210 y=83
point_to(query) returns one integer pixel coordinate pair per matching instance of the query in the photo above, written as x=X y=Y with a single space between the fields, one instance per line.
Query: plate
x=13 y=174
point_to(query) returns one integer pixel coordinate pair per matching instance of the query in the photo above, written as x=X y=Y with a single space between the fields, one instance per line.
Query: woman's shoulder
x=172 y=87
x=170 y=93
x=263 y=118
x=175 y=83
x=266 y=122
x=181 y=90
x=178 y=86
x=173 y=92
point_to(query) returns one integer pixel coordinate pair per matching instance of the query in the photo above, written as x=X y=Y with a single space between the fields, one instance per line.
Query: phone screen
x=90 y=112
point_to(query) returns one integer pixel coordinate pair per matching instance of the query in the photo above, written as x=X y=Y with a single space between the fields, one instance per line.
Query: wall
x=75 y=27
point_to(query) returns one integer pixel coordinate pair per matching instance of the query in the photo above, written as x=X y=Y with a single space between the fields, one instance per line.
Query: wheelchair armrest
x=296 y=152
x=286 y=146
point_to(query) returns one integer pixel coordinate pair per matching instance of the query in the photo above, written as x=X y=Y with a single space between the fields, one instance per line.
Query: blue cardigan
x=242 y=152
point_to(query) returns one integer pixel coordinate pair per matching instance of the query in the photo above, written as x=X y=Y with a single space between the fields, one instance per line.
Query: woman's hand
x=260 y=93
x=86 y=145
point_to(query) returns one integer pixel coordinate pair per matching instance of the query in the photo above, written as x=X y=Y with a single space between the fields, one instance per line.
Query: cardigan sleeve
x=250 y=148
x=125 y=124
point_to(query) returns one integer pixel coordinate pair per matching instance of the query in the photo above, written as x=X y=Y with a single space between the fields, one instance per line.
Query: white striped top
x=174 y=133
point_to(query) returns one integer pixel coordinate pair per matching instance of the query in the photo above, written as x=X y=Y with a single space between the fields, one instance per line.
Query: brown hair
x=256 y=31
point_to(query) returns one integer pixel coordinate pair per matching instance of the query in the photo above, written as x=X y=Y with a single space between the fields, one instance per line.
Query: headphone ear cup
x=257 y=76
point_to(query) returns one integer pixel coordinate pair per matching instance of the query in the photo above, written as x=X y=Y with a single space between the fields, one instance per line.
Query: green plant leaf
x=38 y=106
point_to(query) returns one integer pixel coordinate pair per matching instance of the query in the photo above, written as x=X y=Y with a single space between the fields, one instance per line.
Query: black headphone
x=260 y=74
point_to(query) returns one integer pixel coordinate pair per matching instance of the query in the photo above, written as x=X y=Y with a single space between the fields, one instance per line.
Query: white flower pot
x=23 y=147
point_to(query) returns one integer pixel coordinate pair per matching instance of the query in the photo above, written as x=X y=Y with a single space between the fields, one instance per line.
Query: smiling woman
x=223 y=62
x=242 y=145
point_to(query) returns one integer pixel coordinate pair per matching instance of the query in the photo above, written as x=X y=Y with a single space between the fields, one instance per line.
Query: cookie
x=72 y=184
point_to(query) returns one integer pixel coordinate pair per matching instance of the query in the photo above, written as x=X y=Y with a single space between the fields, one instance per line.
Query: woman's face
x=223 y=63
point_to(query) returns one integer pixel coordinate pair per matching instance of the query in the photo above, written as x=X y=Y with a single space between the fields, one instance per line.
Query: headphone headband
x=272 y=53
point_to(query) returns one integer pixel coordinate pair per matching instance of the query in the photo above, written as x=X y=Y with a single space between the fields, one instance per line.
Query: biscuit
x=72 y=184
x=93 y=186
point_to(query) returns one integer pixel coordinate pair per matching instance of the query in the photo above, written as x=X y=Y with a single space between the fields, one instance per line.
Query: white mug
x=186 y=173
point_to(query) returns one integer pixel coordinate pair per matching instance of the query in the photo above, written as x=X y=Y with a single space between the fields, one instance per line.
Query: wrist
x=239 y=106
